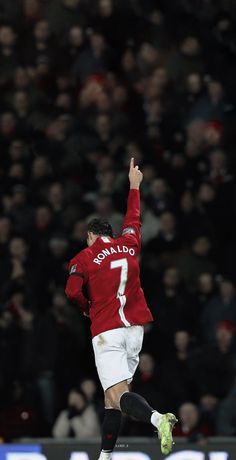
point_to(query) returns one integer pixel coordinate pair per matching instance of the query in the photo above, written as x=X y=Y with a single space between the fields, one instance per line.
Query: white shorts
x=117 y=354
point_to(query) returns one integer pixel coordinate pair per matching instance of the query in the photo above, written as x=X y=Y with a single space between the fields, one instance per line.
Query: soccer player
x=109 y=270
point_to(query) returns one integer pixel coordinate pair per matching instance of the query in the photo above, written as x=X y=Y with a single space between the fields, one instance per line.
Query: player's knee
x=113 y=394
x=108 y=401
x=111 y=400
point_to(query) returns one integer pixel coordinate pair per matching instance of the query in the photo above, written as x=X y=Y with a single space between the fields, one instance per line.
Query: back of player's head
x=100 y=227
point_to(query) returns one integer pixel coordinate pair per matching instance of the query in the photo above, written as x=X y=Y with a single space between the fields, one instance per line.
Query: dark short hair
x=100 y=227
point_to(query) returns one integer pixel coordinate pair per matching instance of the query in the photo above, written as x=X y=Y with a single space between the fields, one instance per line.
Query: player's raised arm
x=131 y=225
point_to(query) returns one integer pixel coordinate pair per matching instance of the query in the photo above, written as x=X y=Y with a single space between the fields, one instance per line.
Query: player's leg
x=119 y=397
x=132 y=402
x=110 y=431
x=116 y=364
x=136 y=406
x=111 y=363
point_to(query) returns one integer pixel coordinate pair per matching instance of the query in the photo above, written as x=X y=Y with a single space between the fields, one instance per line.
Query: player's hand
x=135 y=175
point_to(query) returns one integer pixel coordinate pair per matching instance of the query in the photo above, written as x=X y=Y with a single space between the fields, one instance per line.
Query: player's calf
x=136 y=406
x=110 y=431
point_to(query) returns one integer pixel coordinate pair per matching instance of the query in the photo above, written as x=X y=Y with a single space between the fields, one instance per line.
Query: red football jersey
x=110 y=270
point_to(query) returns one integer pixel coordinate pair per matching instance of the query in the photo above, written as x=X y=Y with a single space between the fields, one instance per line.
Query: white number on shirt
x=123 y=264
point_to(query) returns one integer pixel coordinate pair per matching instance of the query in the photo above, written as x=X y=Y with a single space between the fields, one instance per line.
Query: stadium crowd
x=83 y=84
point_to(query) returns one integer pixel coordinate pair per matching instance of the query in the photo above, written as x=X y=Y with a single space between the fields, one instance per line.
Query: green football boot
x=164 y=431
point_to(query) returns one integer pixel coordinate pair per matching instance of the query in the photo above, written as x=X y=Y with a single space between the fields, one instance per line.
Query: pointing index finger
x=132 y=163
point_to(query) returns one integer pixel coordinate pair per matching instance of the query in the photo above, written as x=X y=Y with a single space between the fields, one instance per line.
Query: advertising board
x=130 y=449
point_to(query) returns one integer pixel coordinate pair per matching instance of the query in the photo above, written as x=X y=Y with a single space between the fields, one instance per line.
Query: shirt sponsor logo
x=108 y=252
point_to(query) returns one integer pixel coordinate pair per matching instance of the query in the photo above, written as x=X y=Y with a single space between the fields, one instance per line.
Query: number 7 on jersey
x=123 y=264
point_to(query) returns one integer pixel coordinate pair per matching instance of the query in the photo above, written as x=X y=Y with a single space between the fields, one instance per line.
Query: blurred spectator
x=41 y=45
x=8 y=54
x=221 y=307
x=206 y=201
x=150 y=223
x=32 y=11
x=148 y=58
x=94 y=59
x=160 y=199
x=206 y=289
x=190 y=425
x=176 y=371
x=147 y=383
x=79 y=420
x=16 y=265
x=56 y=356
x=56 y=199
x=213 y=134
x=43 y=229
x=218 y=168
x=20 y=418
x=75 y=44
x=129 y=66
x=212 y=105
x=171 y=305
x=191 y=93
x=5 y=233
x=226 y=423
x=146 y=380
x=214 y=363
x=63 y=15
x=8 y=347
x=21 y=211
x=41 y=175
x=89 y=388
x=192 y=264
x=187 y=59
x=163 y=250
x=54 y=264
x=104 y=210
x=93 y=395
x=7 y=127
x=190 y=218
x=78 y=237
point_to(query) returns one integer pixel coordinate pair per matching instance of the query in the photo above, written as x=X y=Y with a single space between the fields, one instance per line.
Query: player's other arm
x=132 y=223
x=74 y=285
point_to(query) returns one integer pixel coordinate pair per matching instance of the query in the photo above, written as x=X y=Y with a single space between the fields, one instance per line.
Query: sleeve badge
x=73 y=269
x=128 y=231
